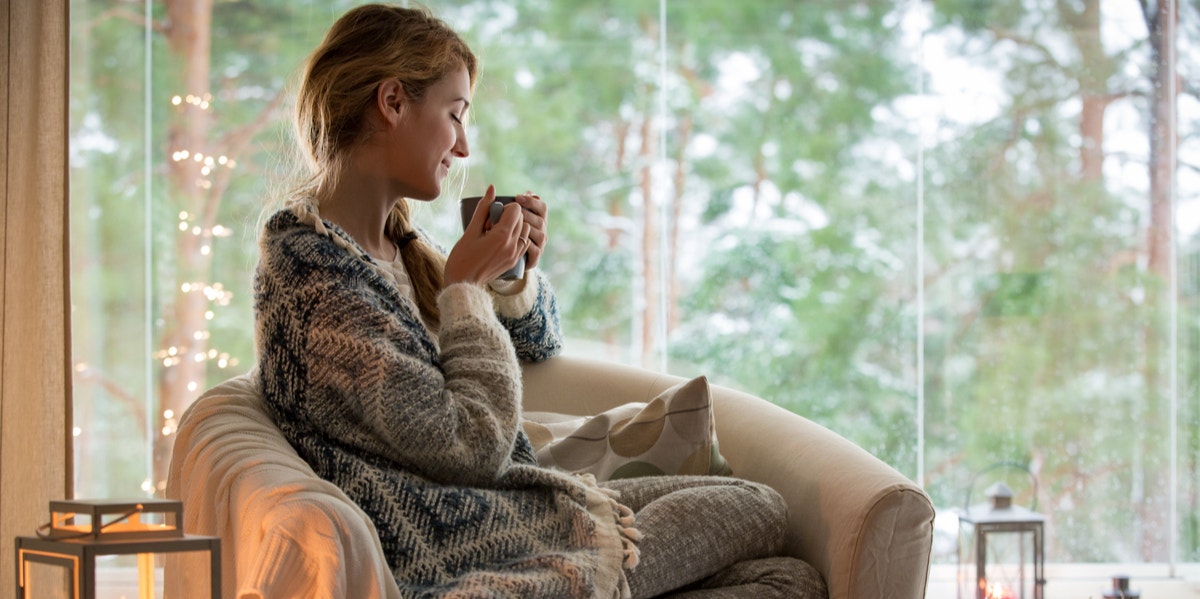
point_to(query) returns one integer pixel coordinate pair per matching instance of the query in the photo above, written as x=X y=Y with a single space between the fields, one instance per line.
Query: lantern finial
x=1001 y=496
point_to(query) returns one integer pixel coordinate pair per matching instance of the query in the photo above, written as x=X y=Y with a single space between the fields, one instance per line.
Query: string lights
x=214 y=293
x=208 y=163
x=193 y=350
x=203 y=102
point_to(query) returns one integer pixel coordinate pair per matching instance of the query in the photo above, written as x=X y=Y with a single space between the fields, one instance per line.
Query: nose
x=460 y=149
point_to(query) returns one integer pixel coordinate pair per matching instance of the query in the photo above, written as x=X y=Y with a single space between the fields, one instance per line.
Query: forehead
x=454 y=86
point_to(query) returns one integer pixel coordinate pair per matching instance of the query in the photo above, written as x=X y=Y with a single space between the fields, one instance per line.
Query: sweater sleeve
x=528 y=309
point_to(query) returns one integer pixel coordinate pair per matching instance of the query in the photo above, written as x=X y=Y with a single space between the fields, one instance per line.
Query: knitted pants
x=712 y=538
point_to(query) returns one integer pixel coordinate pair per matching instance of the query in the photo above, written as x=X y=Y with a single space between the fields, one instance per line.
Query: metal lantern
x=1000 y=549
x=61 y=560
x=1121 y=590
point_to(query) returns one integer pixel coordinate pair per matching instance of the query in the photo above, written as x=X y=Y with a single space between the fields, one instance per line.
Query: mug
x=467 y=208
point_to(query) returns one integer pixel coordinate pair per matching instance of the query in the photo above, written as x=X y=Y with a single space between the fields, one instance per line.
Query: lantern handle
x=1002 y=464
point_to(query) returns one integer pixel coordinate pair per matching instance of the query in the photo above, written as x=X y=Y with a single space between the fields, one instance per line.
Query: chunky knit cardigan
x=423 y=433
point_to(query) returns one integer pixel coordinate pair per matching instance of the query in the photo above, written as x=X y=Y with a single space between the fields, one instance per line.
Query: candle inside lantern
x=145 y=575
x=996 y=591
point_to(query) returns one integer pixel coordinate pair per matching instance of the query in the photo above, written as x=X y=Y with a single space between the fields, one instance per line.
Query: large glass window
x=961 y=234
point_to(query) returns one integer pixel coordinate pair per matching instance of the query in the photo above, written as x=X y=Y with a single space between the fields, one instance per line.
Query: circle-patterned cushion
x=674 y=433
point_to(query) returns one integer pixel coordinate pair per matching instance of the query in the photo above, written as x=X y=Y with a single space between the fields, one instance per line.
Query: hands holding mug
x=503 y=236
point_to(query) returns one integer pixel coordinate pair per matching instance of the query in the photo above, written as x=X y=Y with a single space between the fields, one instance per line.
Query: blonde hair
x=367 y=45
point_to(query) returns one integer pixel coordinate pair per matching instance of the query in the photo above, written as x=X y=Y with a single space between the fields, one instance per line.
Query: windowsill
x=1088 y=581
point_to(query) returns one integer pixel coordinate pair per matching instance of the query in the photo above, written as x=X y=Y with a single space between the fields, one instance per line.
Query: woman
x=394 y=370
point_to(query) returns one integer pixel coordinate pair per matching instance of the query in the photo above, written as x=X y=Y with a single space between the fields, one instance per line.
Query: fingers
x=484 y=257
x=511 y=232
x=535 y=209
x=523 y=237
x=533 y=203
x=535 y=215
x=511 y=220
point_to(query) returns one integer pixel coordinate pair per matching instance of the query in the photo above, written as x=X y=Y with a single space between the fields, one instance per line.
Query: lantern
x=61 y=562
x=1000 y=549
x=1121 y=589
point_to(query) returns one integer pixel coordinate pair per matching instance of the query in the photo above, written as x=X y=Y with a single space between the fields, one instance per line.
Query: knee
x=771 y=510
x=768 y=498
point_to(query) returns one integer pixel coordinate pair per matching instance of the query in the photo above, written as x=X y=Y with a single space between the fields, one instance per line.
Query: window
x=961 y=234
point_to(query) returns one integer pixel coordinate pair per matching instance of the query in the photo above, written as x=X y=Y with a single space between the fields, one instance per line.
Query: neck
x=360 y=207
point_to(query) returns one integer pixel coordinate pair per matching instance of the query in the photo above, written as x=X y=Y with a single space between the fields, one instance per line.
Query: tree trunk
x=670 y=262
x=616 y=233
x=1162 y=148
x=184 y=365
x=1084 y=26
x=1148 y=486
x=1153 y=509
x=649 y=246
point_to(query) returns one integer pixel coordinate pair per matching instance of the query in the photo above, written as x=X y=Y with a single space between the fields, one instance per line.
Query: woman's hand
x=486 y=251
x=535 y=220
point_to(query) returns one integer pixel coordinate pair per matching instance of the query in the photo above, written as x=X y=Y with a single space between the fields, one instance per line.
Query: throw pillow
x=674 y=433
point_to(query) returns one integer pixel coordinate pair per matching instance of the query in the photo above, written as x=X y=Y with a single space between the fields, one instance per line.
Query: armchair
x=286 y=533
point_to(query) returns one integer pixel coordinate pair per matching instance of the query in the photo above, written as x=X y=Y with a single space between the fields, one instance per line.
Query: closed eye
x=456 y=119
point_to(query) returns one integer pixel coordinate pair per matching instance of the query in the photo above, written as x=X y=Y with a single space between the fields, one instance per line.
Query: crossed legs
x=712 y=538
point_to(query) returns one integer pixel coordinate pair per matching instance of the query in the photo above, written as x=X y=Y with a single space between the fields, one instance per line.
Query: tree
x=1074 y=288
x=209 y=107
x=732 y=187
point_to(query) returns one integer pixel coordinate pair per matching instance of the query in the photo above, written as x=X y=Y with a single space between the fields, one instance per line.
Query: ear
x=390 y=100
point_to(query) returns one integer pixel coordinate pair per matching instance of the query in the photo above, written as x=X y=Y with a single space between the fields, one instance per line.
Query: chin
x=425 y=195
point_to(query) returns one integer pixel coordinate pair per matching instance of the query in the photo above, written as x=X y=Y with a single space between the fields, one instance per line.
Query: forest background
x=960 y=233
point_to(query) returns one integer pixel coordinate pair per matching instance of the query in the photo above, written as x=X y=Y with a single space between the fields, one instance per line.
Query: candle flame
x=997 y=591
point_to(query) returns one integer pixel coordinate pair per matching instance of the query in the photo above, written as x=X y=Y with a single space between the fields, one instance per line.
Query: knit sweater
x=423 y=433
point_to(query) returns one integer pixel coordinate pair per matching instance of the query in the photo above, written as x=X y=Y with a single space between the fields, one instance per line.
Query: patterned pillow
x=674 y=433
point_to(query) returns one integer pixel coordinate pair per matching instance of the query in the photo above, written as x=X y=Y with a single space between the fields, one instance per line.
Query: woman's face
x=427 y=136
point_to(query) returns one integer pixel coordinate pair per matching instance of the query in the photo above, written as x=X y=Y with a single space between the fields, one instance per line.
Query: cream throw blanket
x=285 y=532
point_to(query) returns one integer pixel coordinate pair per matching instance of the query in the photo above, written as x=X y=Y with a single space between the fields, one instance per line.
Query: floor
x=1064 y=581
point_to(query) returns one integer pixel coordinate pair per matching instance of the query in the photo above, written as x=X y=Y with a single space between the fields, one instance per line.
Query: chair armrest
x=863 y=525
x=284 y=531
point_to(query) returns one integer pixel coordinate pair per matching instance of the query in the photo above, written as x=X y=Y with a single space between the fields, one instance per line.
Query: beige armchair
x=285 y=533
x=864 y=526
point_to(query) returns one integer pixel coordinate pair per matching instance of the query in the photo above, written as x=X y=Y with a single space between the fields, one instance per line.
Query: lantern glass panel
x=1009 y=567
x=966 y=561
x=142 y=575
x=133 y=575
x=999 y=561
x=48 y=579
